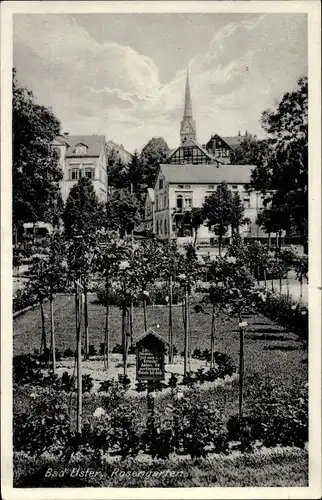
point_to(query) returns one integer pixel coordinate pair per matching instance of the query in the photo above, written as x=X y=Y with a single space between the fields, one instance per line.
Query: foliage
x=35 y=172
x=274 y=417
x=223 y=209
x=44 y=427
x=23 y=298
x=301 y=268
x=153 y=154
x=87 y=383
x=121 y=211
x=195 y=218
x=282 y=174
x=284 y=310
x=82 y=210
x=249 y=151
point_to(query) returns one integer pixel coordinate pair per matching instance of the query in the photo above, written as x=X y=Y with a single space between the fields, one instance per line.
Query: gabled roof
x=118 y=146
x=206 y=174
x=191 y=143
x=234 y=141
x=147 y=333
x=94 y=144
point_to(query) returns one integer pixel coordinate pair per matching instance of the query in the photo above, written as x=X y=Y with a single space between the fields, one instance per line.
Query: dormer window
x=80 y=149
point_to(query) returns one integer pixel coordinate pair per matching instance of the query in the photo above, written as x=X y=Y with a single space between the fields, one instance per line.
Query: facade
x=123 y=155
x=222 y=147
x=82 y=156
x=191 y=174
x=180 y=188
x=149 y=211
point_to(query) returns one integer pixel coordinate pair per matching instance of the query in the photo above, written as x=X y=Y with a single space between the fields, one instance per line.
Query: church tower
x=188 y=124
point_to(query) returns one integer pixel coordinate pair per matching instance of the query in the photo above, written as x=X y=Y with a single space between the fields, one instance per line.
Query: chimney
x=238 y=133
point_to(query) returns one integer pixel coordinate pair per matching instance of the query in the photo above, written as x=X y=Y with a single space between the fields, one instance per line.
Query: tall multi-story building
x=192 y=173
x=82 y=156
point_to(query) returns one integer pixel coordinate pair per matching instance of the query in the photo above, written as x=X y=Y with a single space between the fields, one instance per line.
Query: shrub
x=67 y=382
x=87 y=383
x=124 y=436
x=22 y=299
x=173 y=381
x=141 y=386
x=159 y=292
x=158 y=438
x=27 y=369
x=284 y=310
x=44 y=427
x=201 y=429
x=124 y=381
x=69 y=353
x=92 y=351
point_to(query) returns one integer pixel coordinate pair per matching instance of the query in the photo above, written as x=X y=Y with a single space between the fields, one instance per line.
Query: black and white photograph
x=161 y=269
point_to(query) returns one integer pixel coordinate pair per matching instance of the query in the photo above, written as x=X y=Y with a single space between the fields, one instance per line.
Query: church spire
x=187 y=100
x=188 y=124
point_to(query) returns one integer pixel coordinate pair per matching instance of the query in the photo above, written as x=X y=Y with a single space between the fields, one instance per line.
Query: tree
x=36 y=174
x=195 y=218
x=282 y=174
x=249 y=152
x=109 y=255
x=237 y=214
x=82 y=211
x=217 y=210
x=82 y=219
x=116 y=169
x=153 y=154
x=121 y=211
x=48 y=276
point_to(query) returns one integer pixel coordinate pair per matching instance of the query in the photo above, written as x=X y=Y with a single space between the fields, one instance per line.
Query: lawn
x=270 y=350
x=268 y=468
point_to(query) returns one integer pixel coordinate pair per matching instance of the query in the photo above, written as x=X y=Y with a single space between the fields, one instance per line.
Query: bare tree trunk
x=265 y=279
x=219 y=244
x=195 y=238
x=212 y=337
x=269 y=241
x=186 y=332
x=241 y=369
x=106 y=354
x=43 y=330
x=145 y=313
x=170 y=323
x=124 y=339
x=86 y=354
x=301 y=288
x=78 y=306
x=131 y=320
x=52 y=328
x=287 y=285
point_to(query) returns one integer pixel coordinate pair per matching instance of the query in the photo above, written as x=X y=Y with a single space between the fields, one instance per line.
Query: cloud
x=113 y=89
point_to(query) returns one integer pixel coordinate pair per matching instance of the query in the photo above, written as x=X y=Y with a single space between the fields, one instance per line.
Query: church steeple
x=188 y=124
x=187 y=100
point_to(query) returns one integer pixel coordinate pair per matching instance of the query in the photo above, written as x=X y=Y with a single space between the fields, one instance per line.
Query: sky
x=123 y=75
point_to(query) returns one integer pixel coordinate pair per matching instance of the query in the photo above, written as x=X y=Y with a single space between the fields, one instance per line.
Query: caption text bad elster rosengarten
x=115 y=473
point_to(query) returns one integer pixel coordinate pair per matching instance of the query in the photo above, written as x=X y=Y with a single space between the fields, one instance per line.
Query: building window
x=73 y=174
x=188 y=202
x=165 y=226
x=157 y=227
x=179 y=201
x=165 y=201
x=234 y=186
x=160 y=183
x=246 y=201
x=211 y=186
x=89 y=173
x=180 y=186
x=80 y=150
x=187 y=186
